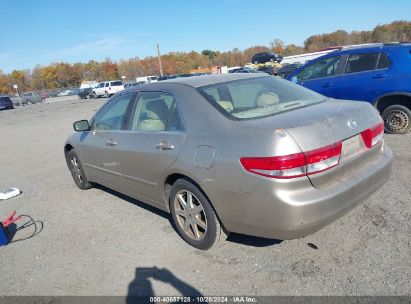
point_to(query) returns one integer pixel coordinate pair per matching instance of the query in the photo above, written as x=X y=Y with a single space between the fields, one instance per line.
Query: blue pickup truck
x=378 y=73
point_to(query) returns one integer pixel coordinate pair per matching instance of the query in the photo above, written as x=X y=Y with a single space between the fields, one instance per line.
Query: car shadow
x=233 y=237
x=252 y=240
x=141 y=288
x=133 y=201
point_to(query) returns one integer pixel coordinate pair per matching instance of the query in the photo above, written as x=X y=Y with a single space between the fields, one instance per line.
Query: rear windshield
x=258 y=97
x=116 y=83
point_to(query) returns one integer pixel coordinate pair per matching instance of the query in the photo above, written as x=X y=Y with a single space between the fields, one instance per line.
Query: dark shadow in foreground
x=141 y=289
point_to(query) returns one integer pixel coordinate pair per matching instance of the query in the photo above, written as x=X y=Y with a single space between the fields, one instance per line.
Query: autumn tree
x=210 y=54
x=130 y=68
x=277 y=46
x=109 y=69
x=5 y=85
x=21 y=78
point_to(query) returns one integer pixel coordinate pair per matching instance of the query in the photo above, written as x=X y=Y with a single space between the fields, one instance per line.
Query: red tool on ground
x=3 y=227
x=11 y=219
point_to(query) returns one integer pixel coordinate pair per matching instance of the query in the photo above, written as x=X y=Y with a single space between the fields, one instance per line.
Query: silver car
x=245 y=153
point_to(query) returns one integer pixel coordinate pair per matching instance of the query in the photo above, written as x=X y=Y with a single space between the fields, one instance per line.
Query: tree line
x=60 y=74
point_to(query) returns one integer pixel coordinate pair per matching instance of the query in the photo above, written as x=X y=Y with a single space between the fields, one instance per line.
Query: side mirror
x=81 y=126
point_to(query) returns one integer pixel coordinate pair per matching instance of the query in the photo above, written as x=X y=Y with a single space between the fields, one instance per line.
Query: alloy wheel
x=190 y=215
x=75 y=169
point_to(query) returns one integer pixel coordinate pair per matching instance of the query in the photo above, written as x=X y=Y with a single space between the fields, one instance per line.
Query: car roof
x=204 y=80
x=370 y=47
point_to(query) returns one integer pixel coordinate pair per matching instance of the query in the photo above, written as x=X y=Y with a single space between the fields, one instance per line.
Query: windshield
x=258 y=97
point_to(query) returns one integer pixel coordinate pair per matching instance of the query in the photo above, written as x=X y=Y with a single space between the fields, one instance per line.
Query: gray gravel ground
x=98 y=242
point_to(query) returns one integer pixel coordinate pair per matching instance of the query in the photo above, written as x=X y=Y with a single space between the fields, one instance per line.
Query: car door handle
x=327 y=85
x=110 y=143
x=164 y=145
x=379 y=76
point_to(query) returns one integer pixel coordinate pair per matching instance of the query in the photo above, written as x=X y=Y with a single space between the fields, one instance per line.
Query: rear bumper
x=281 y=210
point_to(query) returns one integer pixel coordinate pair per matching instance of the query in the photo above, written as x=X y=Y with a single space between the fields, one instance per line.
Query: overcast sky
x=42 y=32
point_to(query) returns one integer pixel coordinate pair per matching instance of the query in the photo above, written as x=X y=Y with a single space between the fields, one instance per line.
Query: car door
x=151 y=144
x=98 y=146
x=320 y=75
x=365 y=76
x=98 y=89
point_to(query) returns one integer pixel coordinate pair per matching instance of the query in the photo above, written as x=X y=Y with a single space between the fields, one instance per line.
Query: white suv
x=107 y=88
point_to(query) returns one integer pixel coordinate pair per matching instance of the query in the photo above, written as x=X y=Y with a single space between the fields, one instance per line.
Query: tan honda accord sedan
x=246 y=153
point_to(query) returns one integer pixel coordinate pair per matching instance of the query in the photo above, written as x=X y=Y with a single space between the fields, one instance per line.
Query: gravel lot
x=98 y=242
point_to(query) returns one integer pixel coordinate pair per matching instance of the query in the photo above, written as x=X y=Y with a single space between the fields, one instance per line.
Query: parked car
x=245 y=153
x=285 y=70
x=74 y=91
x=268 y=69
x=244 y=70
x=84 y=93
x=31 y=98
x=266 y=57
x=54 y=93
x=6 y=103
x=147 y=79
x=379 y=74
x=64 y=93
x=167 y=77
x=107 y=88
x=44 y=95
x=132 y=84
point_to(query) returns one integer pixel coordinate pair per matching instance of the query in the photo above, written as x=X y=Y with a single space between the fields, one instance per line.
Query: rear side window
x=383 y=62
x=323 y=68
x=361 y=62
x=174 y=120
x=150 y=111
x=116 y=83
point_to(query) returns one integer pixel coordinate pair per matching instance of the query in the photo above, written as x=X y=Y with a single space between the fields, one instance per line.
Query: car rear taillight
x=373 y=136
x=109 y=88
x=294 y=165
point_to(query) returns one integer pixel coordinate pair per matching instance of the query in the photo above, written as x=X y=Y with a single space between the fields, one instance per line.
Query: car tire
x=397 y=119
x=77 y=171
x=106 y=95
x=198 y=225
x=282 y=75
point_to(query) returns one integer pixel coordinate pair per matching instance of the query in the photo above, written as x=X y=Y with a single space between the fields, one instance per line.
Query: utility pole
x=159 y=60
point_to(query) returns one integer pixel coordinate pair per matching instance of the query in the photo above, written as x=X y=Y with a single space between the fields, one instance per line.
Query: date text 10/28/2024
x=203 y=299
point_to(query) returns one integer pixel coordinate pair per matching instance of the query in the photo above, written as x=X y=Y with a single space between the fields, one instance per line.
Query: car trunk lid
x=324 y=125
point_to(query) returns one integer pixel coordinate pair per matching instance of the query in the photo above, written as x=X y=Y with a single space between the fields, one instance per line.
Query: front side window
x=112 y=116
x=361 y=62
x=258 y=97
x=151 y=112
x=323 y=68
